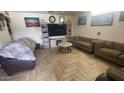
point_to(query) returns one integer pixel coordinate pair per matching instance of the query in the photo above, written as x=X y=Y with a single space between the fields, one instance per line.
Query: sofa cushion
x=84 y=43
x=109 y=44
x=85 y=39
x=119 y=46
x=110 y=52
x=121 y=57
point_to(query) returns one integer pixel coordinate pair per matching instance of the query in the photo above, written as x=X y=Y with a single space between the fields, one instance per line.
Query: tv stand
x=55 y=40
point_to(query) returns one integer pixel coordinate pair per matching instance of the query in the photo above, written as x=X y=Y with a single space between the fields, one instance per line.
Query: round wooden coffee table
x=65 y=47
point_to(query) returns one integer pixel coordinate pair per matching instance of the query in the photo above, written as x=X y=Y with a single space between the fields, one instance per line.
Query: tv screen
x=57 y=29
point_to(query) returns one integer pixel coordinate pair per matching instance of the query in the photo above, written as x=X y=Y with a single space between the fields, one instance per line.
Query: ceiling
x=67 y=12
x=57 y=12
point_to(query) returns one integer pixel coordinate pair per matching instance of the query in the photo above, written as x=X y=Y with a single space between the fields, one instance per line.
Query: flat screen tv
x=57 y=29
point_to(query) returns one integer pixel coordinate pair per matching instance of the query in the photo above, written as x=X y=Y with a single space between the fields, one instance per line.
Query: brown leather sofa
x=116 y=74
x=112 y=74
x=111 y=51
x=83 y=43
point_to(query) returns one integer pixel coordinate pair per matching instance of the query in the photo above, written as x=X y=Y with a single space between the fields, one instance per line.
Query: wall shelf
x=69 y=30
x=44 y=28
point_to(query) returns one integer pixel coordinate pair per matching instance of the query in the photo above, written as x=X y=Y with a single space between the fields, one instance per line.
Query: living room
x=61 y=46
x=83 y=38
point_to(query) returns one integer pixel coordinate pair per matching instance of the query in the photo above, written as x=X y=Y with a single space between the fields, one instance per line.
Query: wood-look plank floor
x=52 y=65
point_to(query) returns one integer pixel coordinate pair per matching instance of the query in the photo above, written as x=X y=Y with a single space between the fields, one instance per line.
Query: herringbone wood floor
x=52 y=65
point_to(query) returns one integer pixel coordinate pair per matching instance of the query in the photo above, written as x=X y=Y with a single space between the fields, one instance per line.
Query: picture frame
x=2 y=25
x=102 y=20
x=7 y=13
x=121 y=16
x=32 y=21
x=82 y=20
x=2 y=17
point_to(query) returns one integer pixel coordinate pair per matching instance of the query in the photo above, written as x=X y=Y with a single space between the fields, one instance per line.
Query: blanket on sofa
x=27 y=42
x=21 y=49
x=18 y=51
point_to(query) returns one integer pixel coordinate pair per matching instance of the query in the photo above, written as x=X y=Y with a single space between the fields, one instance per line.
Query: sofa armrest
x=99 y=44
x=92 y=44
x=72 y=39
x=116 y=74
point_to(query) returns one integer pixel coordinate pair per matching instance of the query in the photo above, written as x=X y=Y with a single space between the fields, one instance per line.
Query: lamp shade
x=61 y=19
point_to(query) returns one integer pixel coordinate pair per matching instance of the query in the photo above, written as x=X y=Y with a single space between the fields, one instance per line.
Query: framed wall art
x=82 y=20
x=102 y=20
x=32 y=21
x=2 y=25
x=2 y=22
x=121 y=16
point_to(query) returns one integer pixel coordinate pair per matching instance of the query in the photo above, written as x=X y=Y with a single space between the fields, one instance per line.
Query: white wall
x=112 y=33
x=20 y=30
x=4 y=37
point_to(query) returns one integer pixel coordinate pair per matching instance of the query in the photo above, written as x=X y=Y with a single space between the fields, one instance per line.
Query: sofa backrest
x=76 y=37
x=108 y=44
x=85 y=39
x=118 y=46
x=114 y=45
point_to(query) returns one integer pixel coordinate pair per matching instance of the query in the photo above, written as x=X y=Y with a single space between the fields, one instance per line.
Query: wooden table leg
x=68 y=49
